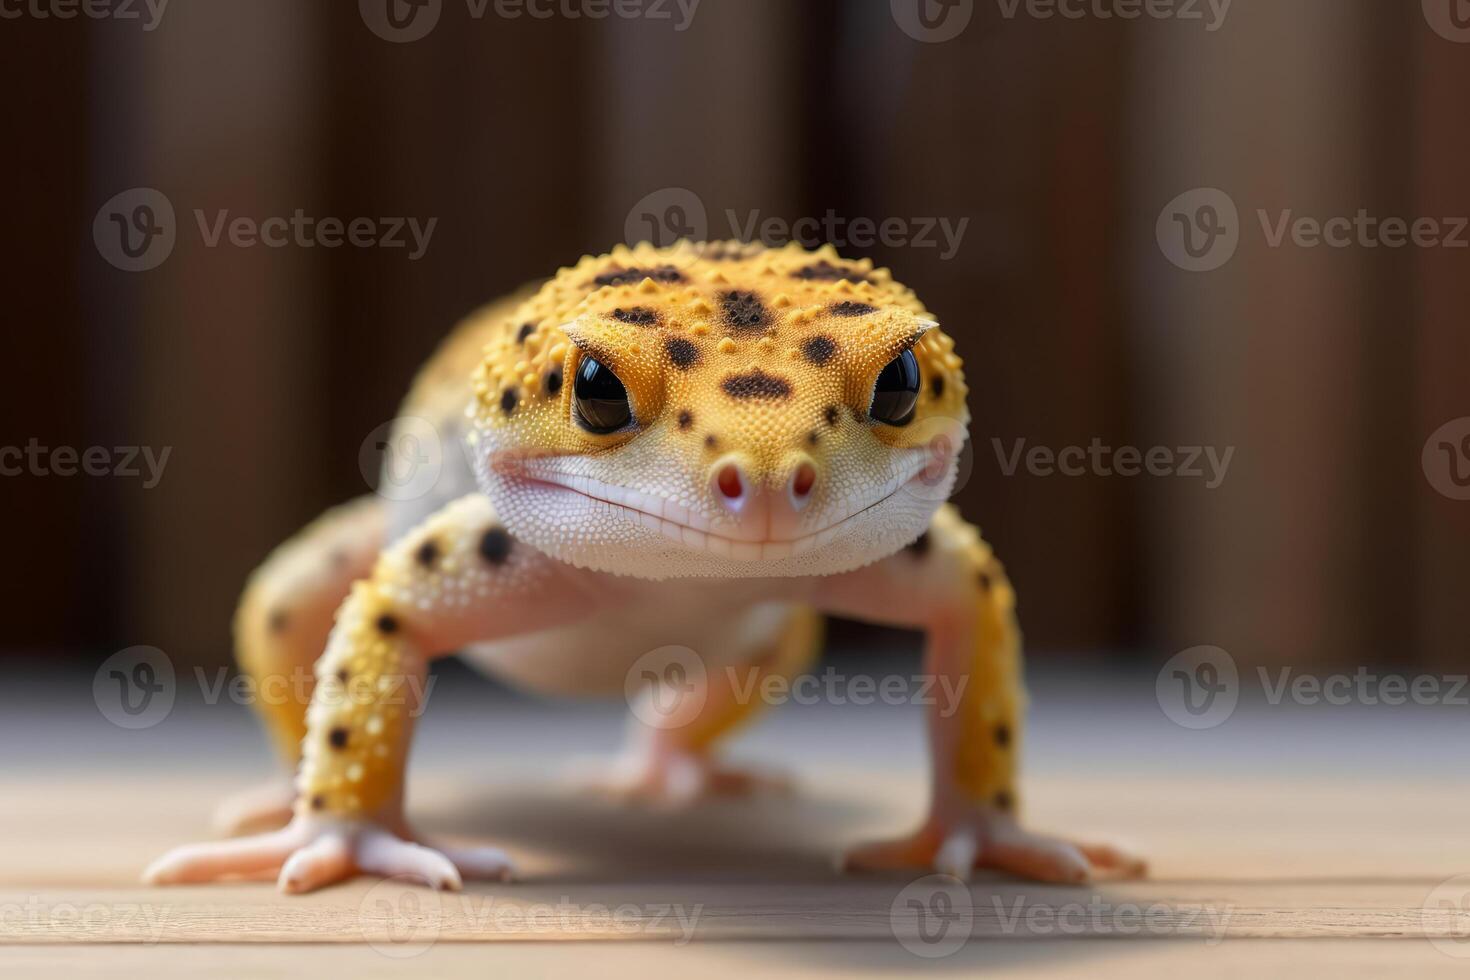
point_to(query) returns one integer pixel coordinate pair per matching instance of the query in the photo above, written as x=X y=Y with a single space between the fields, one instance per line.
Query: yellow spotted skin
x=995 y=703
x=371 y=680
x=677 y=323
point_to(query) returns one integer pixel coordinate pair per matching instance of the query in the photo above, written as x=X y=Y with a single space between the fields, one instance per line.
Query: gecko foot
x=674 y=779
x=988 y=839
x=311 y=853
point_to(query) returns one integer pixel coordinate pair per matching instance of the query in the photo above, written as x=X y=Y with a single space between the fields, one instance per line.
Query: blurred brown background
x=530 y=140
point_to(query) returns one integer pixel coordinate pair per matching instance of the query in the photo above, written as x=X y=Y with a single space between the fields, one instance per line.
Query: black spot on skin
x=919 y=547
x=640 y=316
x=711 y=441
x=831 y=415
x=342 y=675
x=812 y=437
x=1004 y=801
x=686 y=419
x=318 y=802
x=339 y=558
x=819 y=350
x=984 y=582
x=553 y=381
x=622 y=277
x=526 y=330
x=337 y=738
x=744 y=310
x=279 y=620
x=828 y=272
x=850 y=308
x=1003 y=735
x=756 y=384
x=682 y=352
x=495 y=546
x=428 y=553
x=936 y=385
x=508 y=400
x=387 y=624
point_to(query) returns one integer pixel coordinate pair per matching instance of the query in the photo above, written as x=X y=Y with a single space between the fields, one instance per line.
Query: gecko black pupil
x=601 y=400
x=897 y=391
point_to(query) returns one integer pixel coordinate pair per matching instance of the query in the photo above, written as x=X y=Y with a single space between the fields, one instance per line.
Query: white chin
x=592 y=533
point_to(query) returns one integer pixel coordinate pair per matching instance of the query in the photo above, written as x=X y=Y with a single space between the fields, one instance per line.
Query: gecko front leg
x=950 y=585
x=457 y=579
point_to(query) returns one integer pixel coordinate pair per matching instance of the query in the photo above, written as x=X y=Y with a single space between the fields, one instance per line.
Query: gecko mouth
x=692 y=529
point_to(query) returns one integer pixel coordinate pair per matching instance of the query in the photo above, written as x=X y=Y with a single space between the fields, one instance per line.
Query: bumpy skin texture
x=749 y=491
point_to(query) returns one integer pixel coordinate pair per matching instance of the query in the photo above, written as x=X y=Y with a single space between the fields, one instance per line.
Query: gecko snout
x=763 y=509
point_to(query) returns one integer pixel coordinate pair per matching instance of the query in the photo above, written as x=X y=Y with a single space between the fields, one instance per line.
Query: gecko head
x=719 y=410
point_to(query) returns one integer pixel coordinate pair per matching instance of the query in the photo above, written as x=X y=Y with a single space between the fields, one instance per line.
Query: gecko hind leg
x=679 y=765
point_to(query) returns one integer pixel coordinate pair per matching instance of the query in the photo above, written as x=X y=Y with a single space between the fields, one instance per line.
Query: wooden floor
x=1286 y=841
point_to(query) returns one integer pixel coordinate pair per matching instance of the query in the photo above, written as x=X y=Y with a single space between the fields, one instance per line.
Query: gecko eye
x=897 y=391
x=600 y=402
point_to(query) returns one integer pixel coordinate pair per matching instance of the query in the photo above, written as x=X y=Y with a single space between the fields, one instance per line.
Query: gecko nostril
x=729 y=482
x=803 y=480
